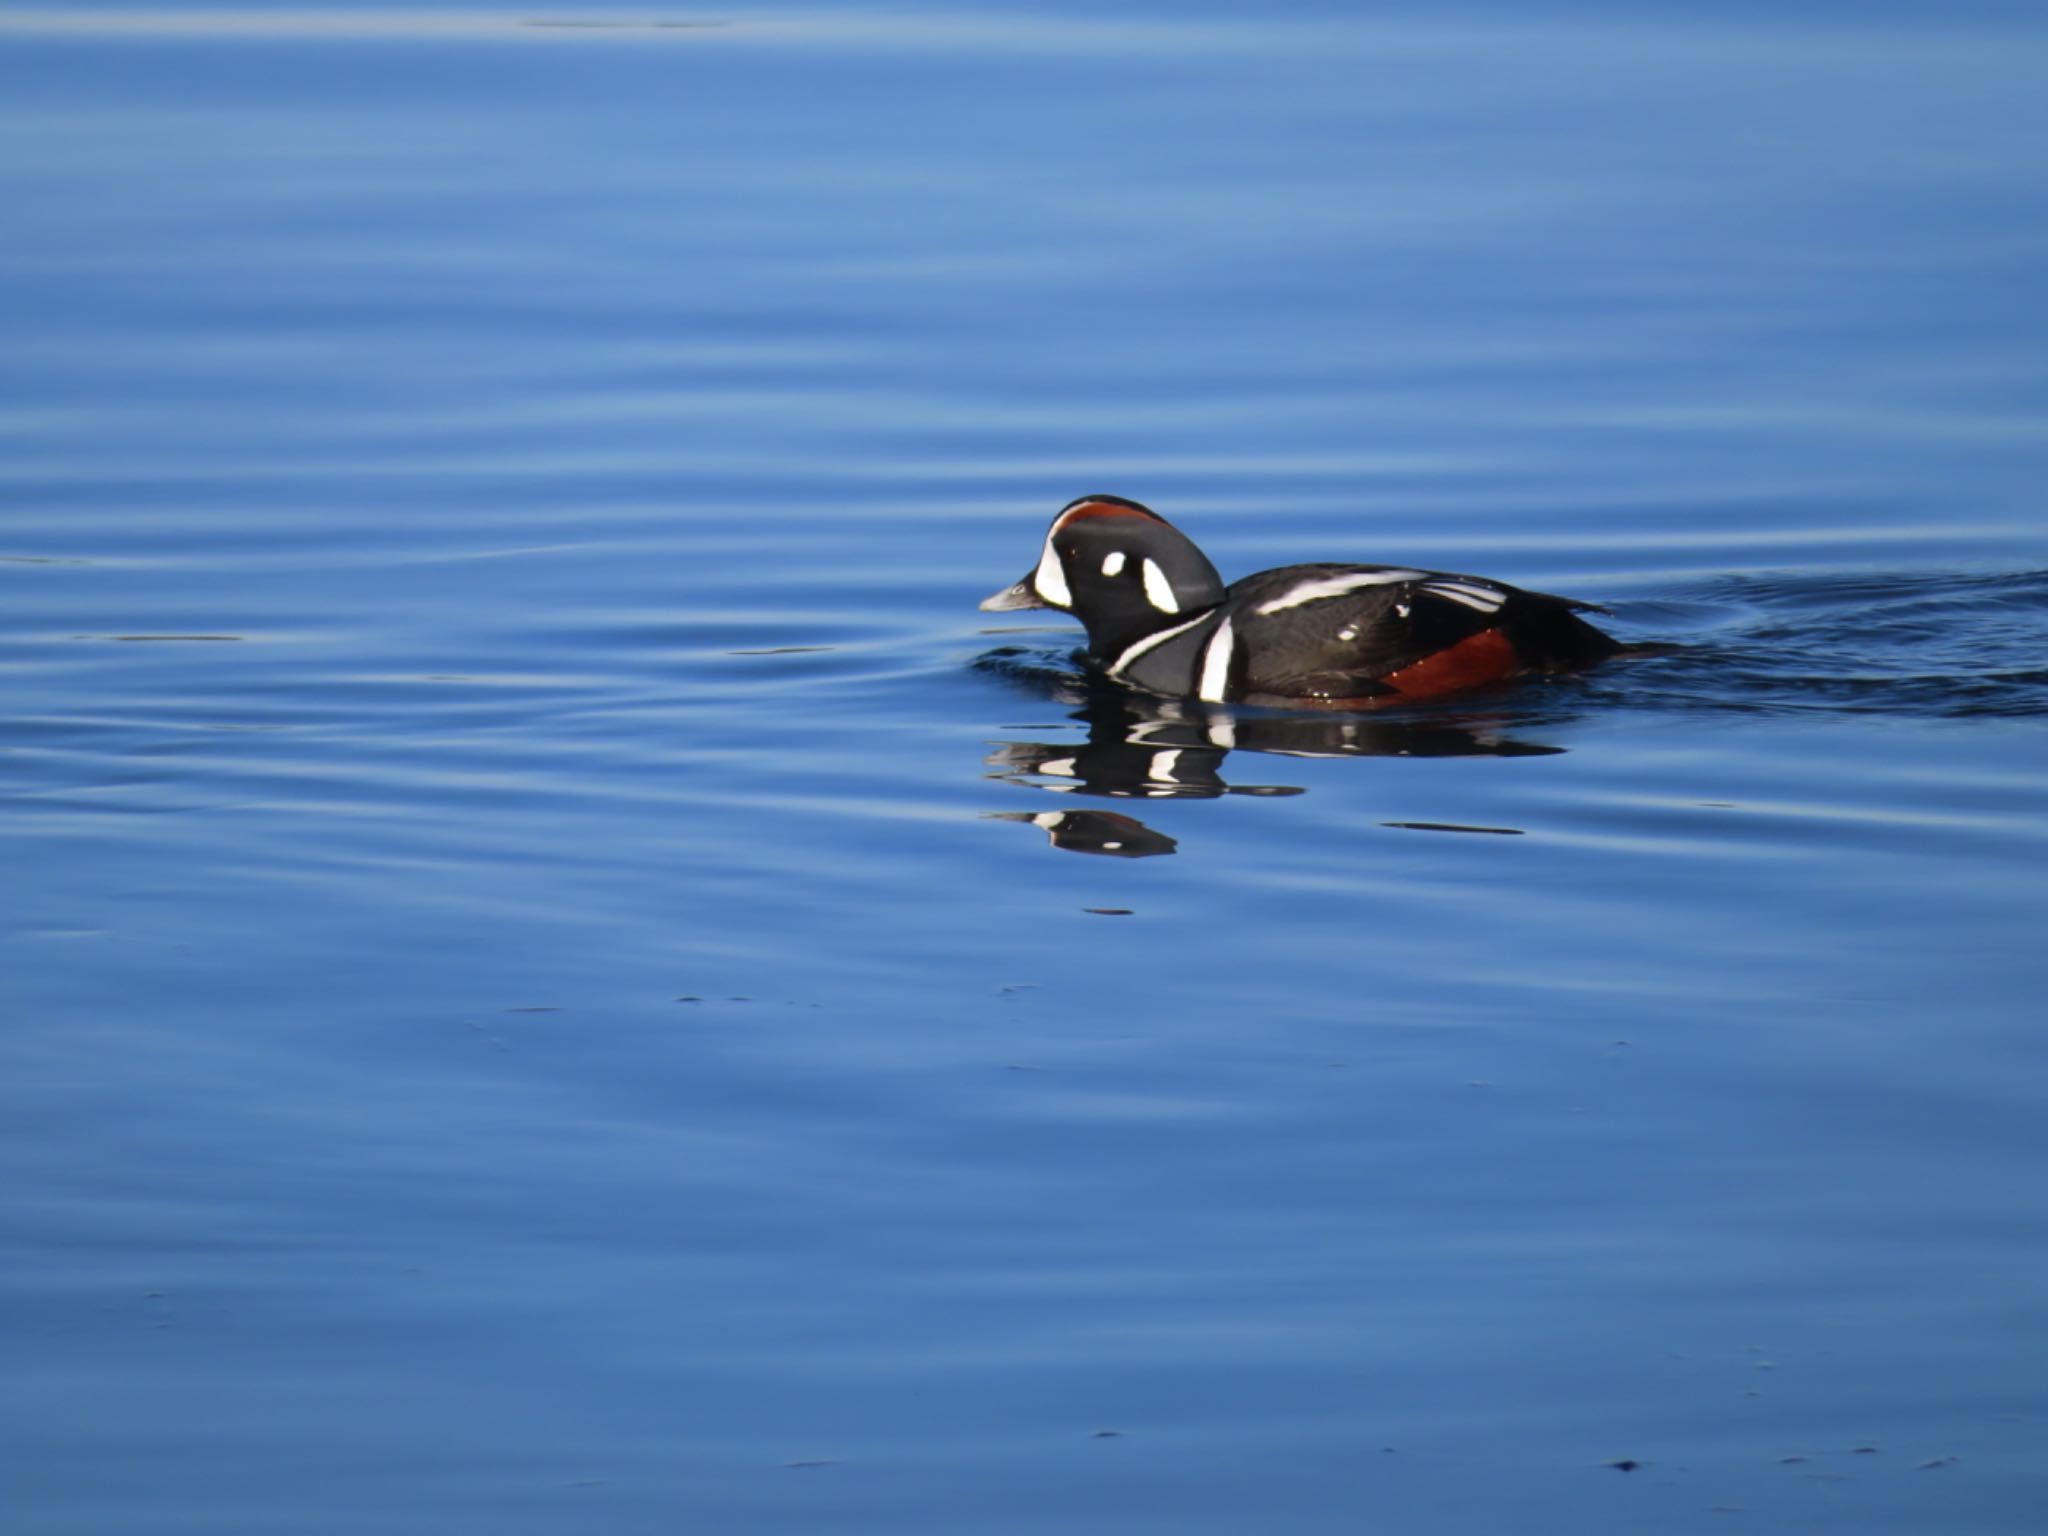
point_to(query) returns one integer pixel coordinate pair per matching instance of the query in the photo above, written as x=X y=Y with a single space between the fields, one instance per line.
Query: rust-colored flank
x=1486 y=657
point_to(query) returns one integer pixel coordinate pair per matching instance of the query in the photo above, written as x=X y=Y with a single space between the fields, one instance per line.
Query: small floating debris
x=1624 y=1464
x=1111 y=911
x=1938 y=1462
x=805 y=1466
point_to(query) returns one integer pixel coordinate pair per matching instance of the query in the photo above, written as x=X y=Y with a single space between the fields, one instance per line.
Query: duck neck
x=1112 y=634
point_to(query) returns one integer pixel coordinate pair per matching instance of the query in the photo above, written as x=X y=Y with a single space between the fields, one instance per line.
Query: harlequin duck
x=1316 y=636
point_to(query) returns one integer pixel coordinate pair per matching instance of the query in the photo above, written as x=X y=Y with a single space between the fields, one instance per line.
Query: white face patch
x=1113 y=563
x=1158 y=590
x=1216 y=657
x=1050 y=580
x=1335 y=586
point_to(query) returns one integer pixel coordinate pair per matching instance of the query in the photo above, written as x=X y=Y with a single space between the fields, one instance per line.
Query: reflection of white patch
x=1111 y=847
x=1163 y=764
x=1050 y=579
x=1335 y=586
x=1216 y=657
x=1150 y=641
x=1470 y=593
x=1158 y=590
x=1113 y=563
x=1058 y=767
x=1348 y=632
x=1223 y=732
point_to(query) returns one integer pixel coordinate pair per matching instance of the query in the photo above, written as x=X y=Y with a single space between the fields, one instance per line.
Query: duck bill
x=1010 y=598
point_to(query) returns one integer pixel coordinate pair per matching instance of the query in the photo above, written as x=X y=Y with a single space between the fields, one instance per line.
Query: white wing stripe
x=1335 y=586
x=1484 y=599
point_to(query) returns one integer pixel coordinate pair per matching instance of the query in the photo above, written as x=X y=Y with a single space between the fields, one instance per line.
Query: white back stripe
x=1216 y=657
x=1335 y=586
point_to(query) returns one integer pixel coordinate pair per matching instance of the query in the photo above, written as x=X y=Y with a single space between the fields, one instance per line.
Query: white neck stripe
x=1216 y=657
x=1132 y=653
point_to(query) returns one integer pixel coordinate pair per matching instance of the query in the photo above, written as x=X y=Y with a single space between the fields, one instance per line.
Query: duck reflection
x=1105 y=832
x=1141 y=747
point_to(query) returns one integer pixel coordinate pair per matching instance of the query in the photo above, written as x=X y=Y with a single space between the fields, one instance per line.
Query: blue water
x=543 y=984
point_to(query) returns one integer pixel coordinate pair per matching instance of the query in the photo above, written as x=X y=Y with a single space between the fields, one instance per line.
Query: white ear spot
x=1050 y=579
x=1158 y=590
x=1113 y=562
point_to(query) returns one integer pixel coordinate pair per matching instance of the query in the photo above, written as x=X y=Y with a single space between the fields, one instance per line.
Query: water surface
x=558 y=975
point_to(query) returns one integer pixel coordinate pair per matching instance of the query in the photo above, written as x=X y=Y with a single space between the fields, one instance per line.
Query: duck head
x=1120 y=568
